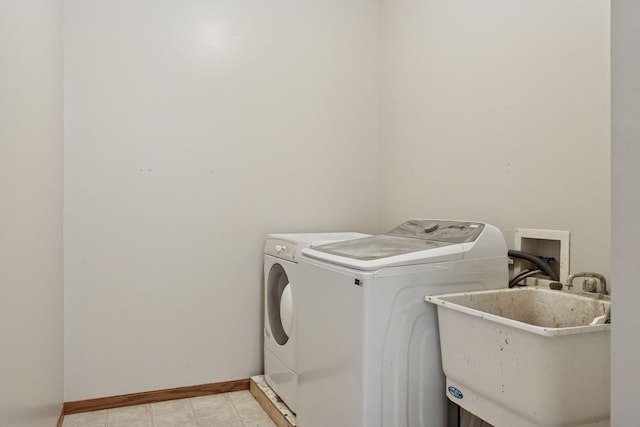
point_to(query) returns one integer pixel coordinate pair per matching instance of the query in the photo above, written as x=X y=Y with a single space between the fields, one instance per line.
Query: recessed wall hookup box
x=551 y=244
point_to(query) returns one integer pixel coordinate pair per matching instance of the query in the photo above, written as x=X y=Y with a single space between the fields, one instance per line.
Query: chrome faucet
x=590 y=282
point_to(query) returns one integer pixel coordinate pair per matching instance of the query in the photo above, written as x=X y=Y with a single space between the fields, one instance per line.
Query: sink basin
x=526 y=356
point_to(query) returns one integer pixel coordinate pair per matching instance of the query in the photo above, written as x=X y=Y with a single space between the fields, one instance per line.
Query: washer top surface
x=417 y=241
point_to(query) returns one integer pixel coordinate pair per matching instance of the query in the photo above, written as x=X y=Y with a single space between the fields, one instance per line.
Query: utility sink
x=527 y=356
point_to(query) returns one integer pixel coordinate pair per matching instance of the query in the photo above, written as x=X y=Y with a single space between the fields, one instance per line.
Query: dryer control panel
x=281 y=249
x=288 y=246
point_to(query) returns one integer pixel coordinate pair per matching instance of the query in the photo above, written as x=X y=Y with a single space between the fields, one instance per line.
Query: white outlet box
x=547 y=243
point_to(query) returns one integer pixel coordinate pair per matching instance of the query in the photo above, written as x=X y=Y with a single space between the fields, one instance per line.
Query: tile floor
x=236 y=409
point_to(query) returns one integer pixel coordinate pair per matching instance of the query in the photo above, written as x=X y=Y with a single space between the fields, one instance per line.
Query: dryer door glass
x=277 y=283
x=286 y=309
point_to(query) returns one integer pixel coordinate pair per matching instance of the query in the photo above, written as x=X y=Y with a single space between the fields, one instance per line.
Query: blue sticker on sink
x=455 y=392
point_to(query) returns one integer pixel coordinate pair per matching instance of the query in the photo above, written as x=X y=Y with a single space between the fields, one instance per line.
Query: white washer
x=281 y=256
x=369 y=355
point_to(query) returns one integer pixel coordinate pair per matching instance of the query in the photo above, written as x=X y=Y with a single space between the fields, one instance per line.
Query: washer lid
x=377 y=247
x=414 y=242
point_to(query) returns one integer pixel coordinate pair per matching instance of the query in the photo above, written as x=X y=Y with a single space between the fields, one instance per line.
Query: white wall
x=194 y=128
x=625 y=346
x=31 y=140
x=499 y=111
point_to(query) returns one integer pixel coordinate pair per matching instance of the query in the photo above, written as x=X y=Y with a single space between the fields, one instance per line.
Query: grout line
x=239 y=416
x=193 y=411
x=233 y=405
x=153 y=419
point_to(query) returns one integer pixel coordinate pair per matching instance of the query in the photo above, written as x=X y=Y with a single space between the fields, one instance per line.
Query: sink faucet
x=590 y=284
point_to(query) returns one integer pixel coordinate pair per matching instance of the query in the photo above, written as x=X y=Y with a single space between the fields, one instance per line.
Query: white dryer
x=280 y=259
x=369 y=355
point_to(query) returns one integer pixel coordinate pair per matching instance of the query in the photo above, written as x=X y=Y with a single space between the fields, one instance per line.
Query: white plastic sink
x=526 y=356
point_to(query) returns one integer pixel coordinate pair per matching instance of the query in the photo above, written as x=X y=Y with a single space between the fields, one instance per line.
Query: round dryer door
x=279 y=304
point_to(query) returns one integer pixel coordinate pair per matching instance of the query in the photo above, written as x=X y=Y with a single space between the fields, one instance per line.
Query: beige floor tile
x=250 y=410
x=132 y=423
x=178 y=405
x=85 y=425
x=241 y=396
x=175 y=419
x=216 y=414
x=129 y=413
x=213 y=400
x=86 y=419
x=264 y=422
x=228 y=424
x=236 y=409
